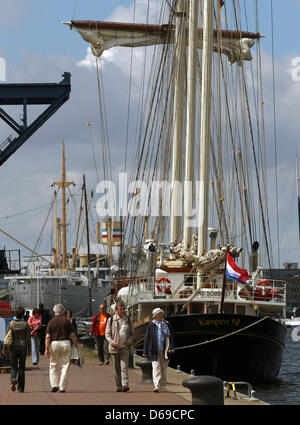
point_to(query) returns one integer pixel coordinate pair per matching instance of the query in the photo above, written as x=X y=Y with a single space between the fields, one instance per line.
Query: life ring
x=164 y=285
x=264 y=283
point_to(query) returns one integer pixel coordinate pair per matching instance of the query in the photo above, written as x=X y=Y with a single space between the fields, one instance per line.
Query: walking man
x=120 y=335
x=58 y=347
x=158 y=345
x=98 y=328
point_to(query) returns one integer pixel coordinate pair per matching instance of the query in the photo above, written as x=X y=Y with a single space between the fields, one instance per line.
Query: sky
x=36 y=47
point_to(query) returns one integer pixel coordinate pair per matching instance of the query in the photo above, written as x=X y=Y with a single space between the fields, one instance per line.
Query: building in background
x=291 y=274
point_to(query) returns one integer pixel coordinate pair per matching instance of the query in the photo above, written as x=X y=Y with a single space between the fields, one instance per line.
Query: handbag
x=8 y=340
x=74 y=353
x=76 y=357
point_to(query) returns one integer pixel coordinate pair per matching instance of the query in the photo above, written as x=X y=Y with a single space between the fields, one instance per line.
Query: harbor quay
x=94 y=385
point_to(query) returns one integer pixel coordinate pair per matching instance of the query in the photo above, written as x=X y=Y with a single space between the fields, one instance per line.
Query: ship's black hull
x=253 y=355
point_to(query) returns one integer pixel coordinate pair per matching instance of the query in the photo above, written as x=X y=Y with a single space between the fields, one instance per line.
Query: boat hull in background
x=30 y=292
x=253 y=355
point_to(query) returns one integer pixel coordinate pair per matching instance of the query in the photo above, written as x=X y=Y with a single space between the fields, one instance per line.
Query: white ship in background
x=80 y=280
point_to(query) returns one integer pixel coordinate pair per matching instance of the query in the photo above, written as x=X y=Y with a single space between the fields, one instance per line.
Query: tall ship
x=79 y=279
x=196 y=214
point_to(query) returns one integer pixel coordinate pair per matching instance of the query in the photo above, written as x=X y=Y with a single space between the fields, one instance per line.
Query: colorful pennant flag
x=234 y=272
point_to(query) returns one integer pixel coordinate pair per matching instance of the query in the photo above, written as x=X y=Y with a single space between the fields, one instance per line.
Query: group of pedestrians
x=114 y=337
x=118 y=332
x=38 y=335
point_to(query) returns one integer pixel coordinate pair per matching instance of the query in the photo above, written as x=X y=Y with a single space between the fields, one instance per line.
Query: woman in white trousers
x=158 y=345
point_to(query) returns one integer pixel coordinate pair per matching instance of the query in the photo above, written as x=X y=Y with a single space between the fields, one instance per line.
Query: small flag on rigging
x=234 y=272
x=221 y=4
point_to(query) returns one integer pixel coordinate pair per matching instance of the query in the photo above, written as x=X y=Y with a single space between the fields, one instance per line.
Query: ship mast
x=178 y=120
x=190 y=119
x=88 y=247
x=205 y=127
x=63 y=184
x=57 y=224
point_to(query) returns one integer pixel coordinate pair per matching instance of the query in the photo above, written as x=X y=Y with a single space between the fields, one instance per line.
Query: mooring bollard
x=131 y=362
x=146 y=366
x=206 y=390
x=178 y=370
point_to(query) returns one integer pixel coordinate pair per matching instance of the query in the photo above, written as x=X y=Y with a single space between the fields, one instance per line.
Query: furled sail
x=102 y=36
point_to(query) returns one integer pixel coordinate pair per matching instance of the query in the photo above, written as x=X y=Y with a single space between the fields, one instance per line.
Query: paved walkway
x=94 y=385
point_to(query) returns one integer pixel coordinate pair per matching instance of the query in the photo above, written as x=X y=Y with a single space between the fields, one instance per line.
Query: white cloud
x=140 y=11
x=121 y=57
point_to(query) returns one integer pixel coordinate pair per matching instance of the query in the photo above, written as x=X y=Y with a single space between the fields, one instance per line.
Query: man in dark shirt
x=58 y=348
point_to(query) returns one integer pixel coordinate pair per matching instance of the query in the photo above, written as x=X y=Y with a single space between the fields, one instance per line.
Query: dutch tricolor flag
x=234 y=272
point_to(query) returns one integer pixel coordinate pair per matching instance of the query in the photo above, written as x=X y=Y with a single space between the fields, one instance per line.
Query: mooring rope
x=215 y=339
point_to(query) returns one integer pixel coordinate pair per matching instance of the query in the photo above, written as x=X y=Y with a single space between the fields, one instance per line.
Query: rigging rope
x=129 y=96
x=39 y=239
x=93 y=150
x=146 y=154
x=215 y=339
x=275 y=131
x=75 y=8
x=254 y=156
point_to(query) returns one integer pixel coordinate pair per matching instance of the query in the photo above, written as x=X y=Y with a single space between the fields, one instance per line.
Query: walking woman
x=19 y=349
x=158 y=345
x=35 y=323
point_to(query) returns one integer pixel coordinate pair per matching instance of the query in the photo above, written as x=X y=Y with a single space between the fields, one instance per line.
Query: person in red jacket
x=98 y=328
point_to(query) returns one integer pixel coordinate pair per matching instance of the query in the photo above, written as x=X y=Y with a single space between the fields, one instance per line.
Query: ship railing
x=273 y=291
x=49 y=273
x=142 y=287
x=269 y=290
x=147 y=288
x=211 y=288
